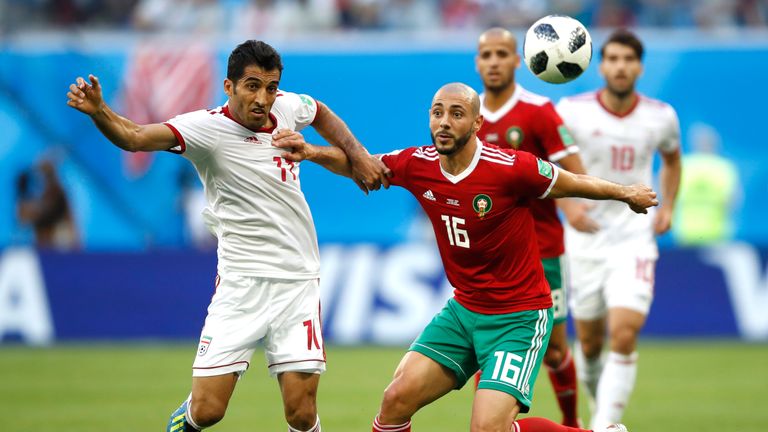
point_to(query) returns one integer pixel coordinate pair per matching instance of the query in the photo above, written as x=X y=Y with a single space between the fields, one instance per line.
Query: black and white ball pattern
x=557 y=49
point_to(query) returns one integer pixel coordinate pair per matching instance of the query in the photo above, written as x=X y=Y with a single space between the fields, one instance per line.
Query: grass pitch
x=699 y=386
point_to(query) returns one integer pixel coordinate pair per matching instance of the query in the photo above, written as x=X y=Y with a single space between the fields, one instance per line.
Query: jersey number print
x=283 y=172
x=456 y=235
x=622 y=158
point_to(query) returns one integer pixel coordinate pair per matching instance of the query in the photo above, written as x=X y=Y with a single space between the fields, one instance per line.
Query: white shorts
x=285 y=314
x=600 y=284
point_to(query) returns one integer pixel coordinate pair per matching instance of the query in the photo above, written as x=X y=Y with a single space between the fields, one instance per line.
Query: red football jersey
x=530 y=123
x=482 y=222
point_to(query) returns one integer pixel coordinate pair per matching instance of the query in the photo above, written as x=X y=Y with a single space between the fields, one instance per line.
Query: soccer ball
x=557 y=49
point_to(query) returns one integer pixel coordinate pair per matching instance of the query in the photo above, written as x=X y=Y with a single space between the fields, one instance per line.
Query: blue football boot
x=178 y=421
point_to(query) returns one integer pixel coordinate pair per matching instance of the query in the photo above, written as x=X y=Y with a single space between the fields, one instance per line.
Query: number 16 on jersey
x=457 y=236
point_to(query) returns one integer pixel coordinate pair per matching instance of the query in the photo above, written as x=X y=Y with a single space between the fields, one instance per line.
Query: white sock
x=588 y=371
x=188 y=415
x=616 y=384
x=315 y=428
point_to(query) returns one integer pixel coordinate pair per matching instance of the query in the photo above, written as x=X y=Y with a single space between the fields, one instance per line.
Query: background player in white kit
x=268 y=259
x=618 y=131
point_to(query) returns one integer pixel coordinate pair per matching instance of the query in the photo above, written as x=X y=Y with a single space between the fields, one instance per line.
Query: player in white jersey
x=268 y=259
x=612 y=269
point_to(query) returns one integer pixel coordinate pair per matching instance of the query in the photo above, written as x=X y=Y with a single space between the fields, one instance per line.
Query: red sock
x=378 y=427
x=539 y=424
x=564 y=382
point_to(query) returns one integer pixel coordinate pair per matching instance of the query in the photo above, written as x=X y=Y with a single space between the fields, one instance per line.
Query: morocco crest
x=482 y=204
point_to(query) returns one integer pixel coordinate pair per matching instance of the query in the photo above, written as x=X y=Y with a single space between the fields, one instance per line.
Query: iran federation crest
x=482 y=204
x=205 y=342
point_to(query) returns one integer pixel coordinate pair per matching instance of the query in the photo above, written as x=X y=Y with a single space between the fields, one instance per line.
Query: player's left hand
x=296 y=149
x=663 y=221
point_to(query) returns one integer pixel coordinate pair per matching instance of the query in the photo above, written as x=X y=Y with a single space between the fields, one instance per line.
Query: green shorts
x=555 y=271
x=508 y=348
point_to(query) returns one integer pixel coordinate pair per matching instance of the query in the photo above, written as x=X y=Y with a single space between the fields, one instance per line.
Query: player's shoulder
x=200 y=116
x=657 y=106
x=423 y=152
x=531 y=98
x=289 y=100
x=427 y=153
x=585 y=98
x=496 y=155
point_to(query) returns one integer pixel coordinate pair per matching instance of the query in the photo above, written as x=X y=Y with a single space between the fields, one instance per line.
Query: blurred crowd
x=299 y=16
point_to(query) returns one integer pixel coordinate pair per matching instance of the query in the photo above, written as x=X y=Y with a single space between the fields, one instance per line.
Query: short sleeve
x=533 y=176
x=303 y=108
x=555 y=137
x=670 y=139
x=397 y=162
x=194 y=134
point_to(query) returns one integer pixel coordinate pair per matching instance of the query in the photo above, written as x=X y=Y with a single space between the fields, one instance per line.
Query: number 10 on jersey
x=457 y=236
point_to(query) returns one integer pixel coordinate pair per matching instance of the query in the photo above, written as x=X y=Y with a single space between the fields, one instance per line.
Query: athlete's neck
x=619 y=103
x=495 y=99
x=456 y=163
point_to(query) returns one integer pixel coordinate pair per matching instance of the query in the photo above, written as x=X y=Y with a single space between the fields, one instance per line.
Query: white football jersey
x=619 y=148
x=255 y=205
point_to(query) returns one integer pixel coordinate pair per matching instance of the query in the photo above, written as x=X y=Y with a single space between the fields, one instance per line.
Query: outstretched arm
x=123 y=133
x=331 y=158
x=365 y=171
x=576 y=211
x=638 y=197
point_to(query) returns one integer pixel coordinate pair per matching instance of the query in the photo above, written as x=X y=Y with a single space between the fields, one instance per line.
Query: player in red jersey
x=516 y=118
x=478 y=198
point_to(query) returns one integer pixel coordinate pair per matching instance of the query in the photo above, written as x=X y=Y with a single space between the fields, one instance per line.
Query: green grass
x=682 y=386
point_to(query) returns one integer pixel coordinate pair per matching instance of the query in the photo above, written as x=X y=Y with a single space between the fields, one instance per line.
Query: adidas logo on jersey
x=252 y=139
x=429 y=195
x=452 y=201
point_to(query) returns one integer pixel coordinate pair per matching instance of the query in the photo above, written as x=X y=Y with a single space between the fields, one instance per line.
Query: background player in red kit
x=477 y=197
x=515 y=118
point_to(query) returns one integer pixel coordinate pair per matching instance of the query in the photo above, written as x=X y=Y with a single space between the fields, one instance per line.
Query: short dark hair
x=627 y=38
x=252 y=52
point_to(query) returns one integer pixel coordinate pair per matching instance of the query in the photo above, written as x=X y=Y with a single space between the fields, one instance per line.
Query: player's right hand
x=85 y=97
x=639 y=197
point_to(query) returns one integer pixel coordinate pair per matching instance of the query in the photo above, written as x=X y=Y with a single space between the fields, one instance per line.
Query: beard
x=458 y=144
x=500 y=87
x=621 y=93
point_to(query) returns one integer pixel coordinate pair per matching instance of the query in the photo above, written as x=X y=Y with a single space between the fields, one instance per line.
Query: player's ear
x=478 y=123
x=229 y=87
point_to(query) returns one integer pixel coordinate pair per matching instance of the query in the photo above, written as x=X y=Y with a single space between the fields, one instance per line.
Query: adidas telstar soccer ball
x=557 y=49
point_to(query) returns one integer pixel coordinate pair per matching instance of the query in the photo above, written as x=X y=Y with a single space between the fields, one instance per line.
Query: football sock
x=540 y=424
x=564 y=382
x=378 y=427
x=315 y=428
x=616 y=384
x=188 y=416
x=588 y=371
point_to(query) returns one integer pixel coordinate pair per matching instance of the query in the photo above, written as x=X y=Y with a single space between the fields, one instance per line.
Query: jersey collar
x=495 y=116
x=614 y=113
x=468 y=170
x=272 y=117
